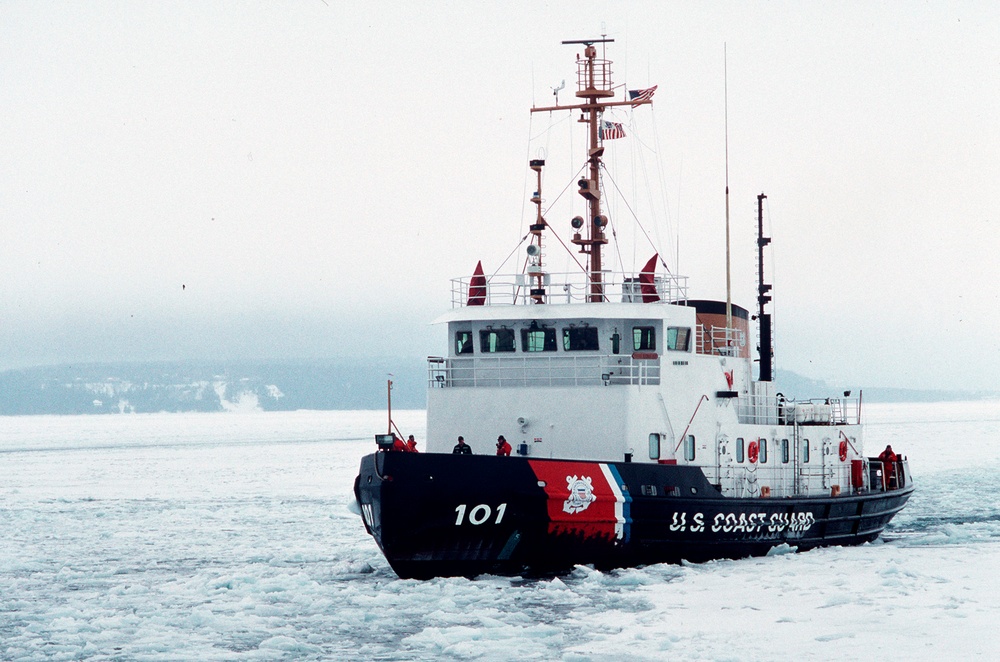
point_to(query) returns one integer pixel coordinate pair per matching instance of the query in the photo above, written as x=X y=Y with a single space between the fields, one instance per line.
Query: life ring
x=843 y=451
x=753 y=450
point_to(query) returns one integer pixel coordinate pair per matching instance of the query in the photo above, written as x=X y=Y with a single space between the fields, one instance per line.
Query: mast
x=595 y=89
x=594 y=83
x=535 y=247
x=763 y=319
x=729 y=281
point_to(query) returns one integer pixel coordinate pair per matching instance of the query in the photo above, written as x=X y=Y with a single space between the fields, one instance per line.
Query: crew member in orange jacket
x=411 y=445
x=888 y=458
x=503 y=448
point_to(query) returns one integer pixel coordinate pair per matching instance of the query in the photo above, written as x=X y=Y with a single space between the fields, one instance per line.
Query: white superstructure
x=647 y=382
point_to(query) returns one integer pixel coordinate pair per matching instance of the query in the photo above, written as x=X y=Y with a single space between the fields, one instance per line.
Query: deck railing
x=777 y=410
x=570 y=287
x=886 y=476
x=720 y=341
x=541 y=371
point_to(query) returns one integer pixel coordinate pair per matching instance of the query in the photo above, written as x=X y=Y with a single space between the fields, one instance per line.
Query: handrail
x=719 y=340
x=560 y=370
x=774 y=410
x=897 y=479
x=566 y=287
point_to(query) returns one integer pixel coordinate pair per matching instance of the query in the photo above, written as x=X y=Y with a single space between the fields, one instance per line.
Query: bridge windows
x=805 y=450
x=580 y=338
x=624 y=336
x=679 y=338
x=644 y=338
x=739 y=449
x=538 y=340
x=496 y=340
x=463 y=342
x=785 y=455
x=762 y=456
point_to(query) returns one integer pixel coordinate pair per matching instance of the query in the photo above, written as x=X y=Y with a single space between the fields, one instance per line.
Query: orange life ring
x=843 y=451
x=753 y=450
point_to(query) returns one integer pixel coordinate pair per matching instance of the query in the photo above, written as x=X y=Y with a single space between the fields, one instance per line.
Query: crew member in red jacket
x=503 y=448
x=888 y=458
x=411 y=445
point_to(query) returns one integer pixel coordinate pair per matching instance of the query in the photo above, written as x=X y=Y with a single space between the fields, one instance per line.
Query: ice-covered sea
x=229 y=537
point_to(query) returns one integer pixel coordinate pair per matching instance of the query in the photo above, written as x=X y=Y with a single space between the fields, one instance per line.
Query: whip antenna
x=729 y=285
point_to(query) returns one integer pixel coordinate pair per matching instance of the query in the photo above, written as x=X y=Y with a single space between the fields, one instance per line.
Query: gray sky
x=196 y=180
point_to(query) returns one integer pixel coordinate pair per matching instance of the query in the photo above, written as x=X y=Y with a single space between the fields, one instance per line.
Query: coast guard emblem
x=581 y=494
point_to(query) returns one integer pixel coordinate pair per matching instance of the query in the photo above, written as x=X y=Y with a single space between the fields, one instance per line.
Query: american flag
x=611 y=130
x=638 y=96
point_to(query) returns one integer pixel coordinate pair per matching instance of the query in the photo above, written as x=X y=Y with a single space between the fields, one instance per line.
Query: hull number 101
x=480 y=514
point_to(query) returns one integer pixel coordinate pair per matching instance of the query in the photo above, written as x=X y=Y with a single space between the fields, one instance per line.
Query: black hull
x=438 y=515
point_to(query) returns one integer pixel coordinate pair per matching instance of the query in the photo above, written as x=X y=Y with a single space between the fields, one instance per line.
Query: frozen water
x=230 y=537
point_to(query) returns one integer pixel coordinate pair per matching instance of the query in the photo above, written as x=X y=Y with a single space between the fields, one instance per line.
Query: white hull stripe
x=623 y=519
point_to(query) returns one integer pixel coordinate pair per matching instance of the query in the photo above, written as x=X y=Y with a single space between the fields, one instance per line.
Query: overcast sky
x=301 y=179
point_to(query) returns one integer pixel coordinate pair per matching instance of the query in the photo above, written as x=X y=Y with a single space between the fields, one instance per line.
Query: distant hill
x=210 y=386
x=797 y=387
x=358 y=383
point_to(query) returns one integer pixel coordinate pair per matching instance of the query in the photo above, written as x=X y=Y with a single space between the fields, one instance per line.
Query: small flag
x=611 y=130
x=638 y=96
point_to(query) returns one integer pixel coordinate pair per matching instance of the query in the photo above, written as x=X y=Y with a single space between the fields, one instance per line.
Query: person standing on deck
x=888 y=458
x=461 y=448
x=503 y=448
x=411 y=445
